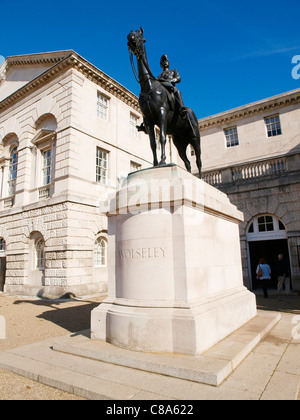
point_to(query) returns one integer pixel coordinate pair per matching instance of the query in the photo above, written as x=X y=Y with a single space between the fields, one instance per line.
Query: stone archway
x=266 y=237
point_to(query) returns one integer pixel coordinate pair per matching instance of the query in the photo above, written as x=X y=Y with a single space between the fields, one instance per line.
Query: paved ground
x=29 y=321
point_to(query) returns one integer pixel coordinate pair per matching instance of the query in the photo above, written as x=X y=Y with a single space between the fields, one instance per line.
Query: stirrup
x=183 y=112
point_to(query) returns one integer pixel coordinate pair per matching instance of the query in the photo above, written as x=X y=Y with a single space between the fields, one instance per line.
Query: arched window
x=12 y=171
x=40 y=254
x=266 y=226
x=44 y=155
x=100 y=252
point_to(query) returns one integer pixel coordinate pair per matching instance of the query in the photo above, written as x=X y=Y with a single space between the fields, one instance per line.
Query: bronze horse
x=159 y=109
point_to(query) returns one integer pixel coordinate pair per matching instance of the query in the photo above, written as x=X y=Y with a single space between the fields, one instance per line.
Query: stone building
x=67 y=138
x=252 y=153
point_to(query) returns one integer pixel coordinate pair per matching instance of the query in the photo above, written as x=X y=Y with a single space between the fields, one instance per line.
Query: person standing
x=283 y=272
x=263 y=274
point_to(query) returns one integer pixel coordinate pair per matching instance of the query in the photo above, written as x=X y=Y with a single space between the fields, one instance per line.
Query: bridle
x=140 y=54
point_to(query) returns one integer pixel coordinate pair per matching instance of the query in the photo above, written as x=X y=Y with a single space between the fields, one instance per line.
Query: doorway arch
x=266 y=237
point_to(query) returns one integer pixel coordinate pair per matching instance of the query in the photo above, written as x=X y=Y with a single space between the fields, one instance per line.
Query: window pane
x=40 y=254
x=2 y=244
x=231 y=135
x=12 y=171
x=100 y=252
x=101 y=166
x=265 y=223
x=133 y=124
x=102 y=106
x=273 y=126
x=46 y=167
x=134 y=166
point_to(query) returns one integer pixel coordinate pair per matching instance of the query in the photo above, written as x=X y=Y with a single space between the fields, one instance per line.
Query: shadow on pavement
x=72 y=318
x=279 y=303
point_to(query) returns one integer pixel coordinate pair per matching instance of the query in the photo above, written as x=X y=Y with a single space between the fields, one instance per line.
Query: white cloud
x=266 y=52
x=2 y=59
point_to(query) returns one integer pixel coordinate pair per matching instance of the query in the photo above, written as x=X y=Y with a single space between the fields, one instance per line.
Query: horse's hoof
x=162 y=162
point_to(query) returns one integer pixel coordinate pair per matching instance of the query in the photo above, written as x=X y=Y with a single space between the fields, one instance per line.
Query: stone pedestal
x=175 y=276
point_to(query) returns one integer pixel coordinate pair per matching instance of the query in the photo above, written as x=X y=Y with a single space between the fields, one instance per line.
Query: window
x=46 y=166
x=12 y=171
x=134 y=166
x=133 y=124
x=231 y=135
x=101 y=166
x=251 y=228
x=273 y=126
x=192 y=151
x=2 y=245
x=265 y=224
x=102 y=106
x=40 y=254
x=100 y=252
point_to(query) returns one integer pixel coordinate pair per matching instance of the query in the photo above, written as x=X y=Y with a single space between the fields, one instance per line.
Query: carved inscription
x=142 y=253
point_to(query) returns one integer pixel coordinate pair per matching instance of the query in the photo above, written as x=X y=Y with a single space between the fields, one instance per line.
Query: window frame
x=48 y=167
x=253 y=232
x=230 y=139
x=102 y=106
x=134 y=119
x=270 y=131
x=39 y=256
x=100 y=252
x=102 y=169
x=134 y=166
x=12 y=173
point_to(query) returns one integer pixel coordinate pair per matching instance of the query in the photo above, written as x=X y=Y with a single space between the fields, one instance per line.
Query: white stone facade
x=67 y=141
x=60 y=158
x=260 y=172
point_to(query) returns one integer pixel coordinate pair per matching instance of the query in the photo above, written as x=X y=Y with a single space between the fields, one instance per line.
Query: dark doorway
x=268 y=250
x=2 y=273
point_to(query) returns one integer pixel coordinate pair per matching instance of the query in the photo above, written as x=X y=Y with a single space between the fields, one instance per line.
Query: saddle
x=170 y=94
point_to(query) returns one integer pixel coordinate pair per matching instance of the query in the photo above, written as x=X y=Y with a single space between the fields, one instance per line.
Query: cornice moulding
x=73 y=60
x=271 y=104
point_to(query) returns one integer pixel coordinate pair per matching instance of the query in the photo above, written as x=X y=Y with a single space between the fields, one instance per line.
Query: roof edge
x=271 y=103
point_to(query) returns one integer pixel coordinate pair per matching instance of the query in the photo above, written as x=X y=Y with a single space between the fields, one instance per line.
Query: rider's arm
x=176 y=78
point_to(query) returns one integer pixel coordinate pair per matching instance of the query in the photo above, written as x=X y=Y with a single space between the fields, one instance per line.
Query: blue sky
x=228 y=52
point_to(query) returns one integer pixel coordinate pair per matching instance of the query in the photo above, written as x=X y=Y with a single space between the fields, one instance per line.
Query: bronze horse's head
x=136 y=42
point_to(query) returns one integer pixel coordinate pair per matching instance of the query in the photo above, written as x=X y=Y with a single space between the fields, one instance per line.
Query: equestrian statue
x=162 y=105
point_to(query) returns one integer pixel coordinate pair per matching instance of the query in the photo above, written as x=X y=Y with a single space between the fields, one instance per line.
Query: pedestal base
x=189 y=330
x=175 y=277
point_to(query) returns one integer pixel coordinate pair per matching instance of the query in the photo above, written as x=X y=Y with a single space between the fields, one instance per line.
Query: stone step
x=212 y=367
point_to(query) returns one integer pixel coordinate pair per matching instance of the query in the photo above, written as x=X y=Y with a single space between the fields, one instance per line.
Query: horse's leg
x=196 y=145
x=153 y=143
x=181 y=147
x=163 y=137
